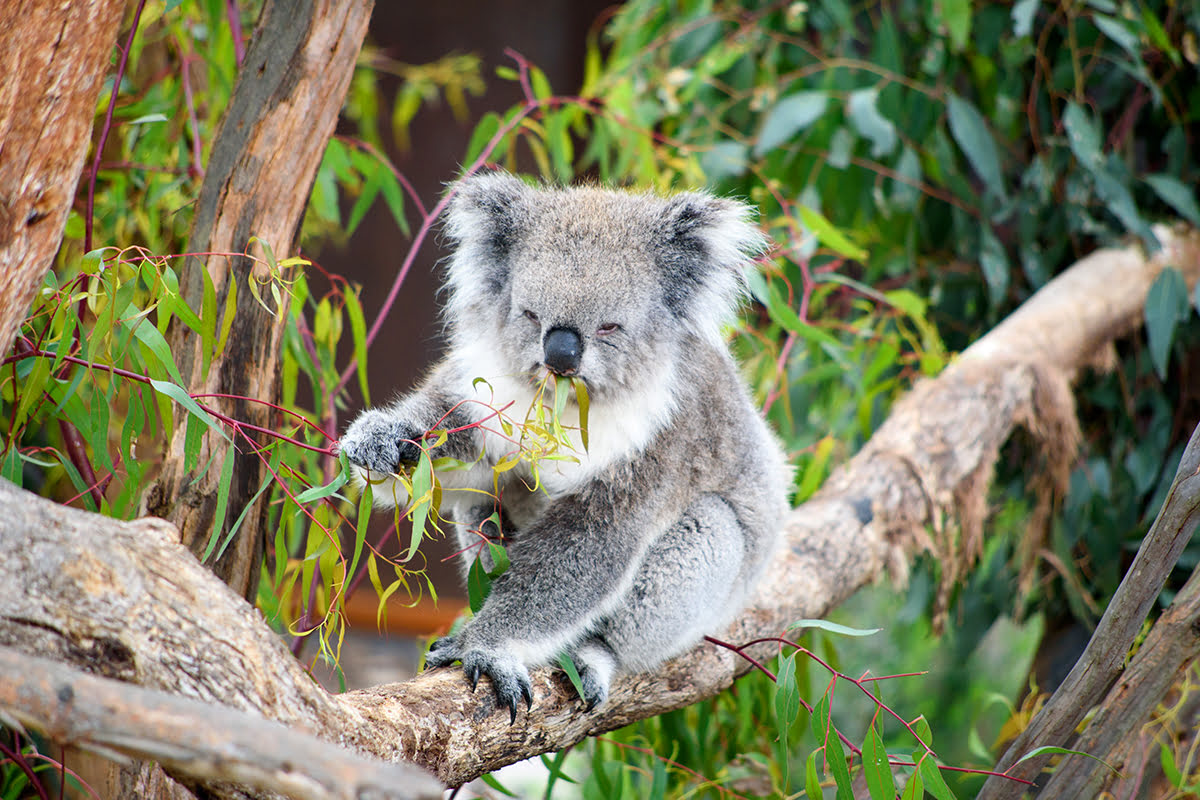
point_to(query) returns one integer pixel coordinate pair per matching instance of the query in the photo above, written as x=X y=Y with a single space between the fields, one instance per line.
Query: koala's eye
x=607 y=328
x=529 y=315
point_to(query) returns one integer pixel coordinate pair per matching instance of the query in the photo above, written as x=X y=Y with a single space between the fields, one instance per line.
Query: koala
x=630 y=551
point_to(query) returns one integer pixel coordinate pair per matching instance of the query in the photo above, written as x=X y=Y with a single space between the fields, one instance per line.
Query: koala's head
x=605 y=285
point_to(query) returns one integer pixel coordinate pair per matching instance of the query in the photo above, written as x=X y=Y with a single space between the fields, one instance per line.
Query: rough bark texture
x=128 y=601
x=194 y=738
x=53 y=57
x=263 y=163
x=1170 y=647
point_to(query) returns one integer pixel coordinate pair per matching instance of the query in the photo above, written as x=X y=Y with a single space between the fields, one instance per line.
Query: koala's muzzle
x=562 y=350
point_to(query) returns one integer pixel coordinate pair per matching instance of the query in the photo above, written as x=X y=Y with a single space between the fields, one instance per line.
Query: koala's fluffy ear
x=486 y=214
x=707 y=245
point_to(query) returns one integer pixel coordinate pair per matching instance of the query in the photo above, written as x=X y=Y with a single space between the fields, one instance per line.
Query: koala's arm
x=382 y=440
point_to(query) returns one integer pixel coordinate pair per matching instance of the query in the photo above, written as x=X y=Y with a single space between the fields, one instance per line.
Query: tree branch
x=189 y=737
x=1172 y=644
x=127 y=600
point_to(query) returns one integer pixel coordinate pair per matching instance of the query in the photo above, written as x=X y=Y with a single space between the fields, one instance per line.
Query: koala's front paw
x=510 y=679
x=381 y=442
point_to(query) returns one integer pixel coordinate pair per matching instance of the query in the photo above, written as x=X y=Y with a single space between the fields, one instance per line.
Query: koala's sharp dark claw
x=512 y=711
x=527 y=693
x=473 y=676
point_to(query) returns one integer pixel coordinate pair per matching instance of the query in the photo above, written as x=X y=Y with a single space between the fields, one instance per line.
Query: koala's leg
x=687 y=586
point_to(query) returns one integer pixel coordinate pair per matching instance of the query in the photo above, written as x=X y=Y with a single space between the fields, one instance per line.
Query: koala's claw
x=510 y=679
x=472 y=676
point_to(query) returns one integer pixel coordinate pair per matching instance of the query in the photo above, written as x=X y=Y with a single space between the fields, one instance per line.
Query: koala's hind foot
x=510 y=679
x=595 y=662
x=381 y=442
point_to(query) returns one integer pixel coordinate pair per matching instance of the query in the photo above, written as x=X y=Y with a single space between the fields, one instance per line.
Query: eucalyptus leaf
x=971 y=133
x=788 y=117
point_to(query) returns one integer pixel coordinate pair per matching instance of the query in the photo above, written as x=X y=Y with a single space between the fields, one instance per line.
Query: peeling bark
x=53 y=57
x=126 y=599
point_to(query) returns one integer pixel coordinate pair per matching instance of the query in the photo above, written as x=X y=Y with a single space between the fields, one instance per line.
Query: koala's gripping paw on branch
x=510 y=679
x=381 y=442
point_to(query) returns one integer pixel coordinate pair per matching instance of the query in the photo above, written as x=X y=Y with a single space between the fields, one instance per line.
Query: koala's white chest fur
x=618 y=428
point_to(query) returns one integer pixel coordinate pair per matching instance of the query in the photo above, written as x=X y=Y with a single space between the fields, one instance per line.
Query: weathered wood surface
x=257 y=181
x=1124 y=694
x=53 y=58
x=201 y=740
x=128 y=601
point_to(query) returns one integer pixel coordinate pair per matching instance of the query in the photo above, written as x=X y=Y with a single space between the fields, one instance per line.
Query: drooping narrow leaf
x=971 y=133
x=222 y=502
x=878 y=771
x=832 y=627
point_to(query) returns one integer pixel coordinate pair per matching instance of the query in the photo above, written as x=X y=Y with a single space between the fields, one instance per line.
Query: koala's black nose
x=563 y=349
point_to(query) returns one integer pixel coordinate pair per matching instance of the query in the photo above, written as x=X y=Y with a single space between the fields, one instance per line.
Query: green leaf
x=1084 y=138
x=787 y=706
x=863 y=112
x=835 y=755
x=366 y=196
x=971 y=133
x=956 y=16
x=920 y=726
x=788 y=117
x=499 y=557
x=422 y=501
x=832 y=627
x=568 y=666
x=1166 y=306
x=830 y=235
x=358 y=330
x=812 y=778
x=539 y=84
x=1175 y=194
x=222 y=502
x=180 y=395
x=878 y=771
x=237 y=523
x=935 y=784
x=320 y=492
x=193 y=437
x=148 y=335
x=1170 y=770
x=491 y=781
x=723 y=160
x=478 y=585
x=487 y=128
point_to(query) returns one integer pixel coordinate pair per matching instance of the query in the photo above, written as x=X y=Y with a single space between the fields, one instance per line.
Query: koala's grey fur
x=659 y=531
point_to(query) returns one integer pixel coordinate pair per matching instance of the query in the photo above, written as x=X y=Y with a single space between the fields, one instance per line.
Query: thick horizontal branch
x=201 y=740
x=128 y=601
